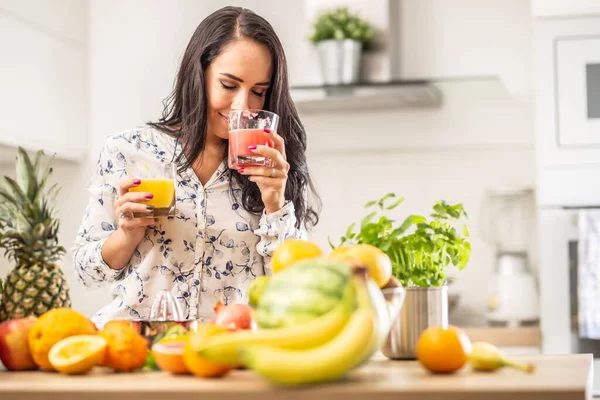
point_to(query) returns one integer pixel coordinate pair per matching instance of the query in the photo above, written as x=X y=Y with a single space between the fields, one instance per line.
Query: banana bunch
x=321 y=350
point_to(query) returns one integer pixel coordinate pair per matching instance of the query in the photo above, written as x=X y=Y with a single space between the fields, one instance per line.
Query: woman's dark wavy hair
x=185 y=109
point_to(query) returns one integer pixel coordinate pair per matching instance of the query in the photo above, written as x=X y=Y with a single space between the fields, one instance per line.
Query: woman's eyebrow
x=235 y=78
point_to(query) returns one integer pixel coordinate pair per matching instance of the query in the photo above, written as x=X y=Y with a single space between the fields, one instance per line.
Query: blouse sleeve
x=274 y=229
x=98 y=221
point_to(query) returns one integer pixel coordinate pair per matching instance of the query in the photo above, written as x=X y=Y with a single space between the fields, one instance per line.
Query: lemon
x=378 y=263
x=77 y=354
x=293 y=250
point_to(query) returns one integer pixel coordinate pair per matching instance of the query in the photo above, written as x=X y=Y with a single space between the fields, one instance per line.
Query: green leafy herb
x=340 y=24
x=420 y=248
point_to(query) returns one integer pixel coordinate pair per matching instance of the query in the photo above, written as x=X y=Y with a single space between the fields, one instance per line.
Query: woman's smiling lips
x=224 y=117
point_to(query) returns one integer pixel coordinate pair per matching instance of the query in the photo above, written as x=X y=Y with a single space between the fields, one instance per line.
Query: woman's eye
x=259 y=94
x=226 y=87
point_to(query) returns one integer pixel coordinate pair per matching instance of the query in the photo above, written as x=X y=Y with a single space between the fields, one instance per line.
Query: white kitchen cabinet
x=567 y=109
x=567 y=79
x=43 y=83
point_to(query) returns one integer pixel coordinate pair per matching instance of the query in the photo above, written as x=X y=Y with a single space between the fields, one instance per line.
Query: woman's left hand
x=271 y=181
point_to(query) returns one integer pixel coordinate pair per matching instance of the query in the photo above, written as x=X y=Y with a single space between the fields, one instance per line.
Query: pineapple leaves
x=28 y=229
x=22 y=168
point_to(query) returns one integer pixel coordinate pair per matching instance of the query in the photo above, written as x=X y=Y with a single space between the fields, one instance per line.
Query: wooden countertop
x=564 y=377
x=506 y=336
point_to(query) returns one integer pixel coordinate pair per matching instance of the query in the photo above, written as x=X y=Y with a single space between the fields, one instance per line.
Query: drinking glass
x=246 y=128
x=156 y=178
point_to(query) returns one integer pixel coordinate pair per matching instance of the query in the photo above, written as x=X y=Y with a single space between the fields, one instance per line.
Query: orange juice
x=239 y=153
x=163 y=191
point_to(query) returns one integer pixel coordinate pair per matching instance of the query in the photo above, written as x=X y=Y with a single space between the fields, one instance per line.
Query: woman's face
x=237 y=79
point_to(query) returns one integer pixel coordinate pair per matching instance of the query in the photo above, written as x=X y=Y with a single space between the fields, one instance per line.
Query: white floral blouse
x=211 y=249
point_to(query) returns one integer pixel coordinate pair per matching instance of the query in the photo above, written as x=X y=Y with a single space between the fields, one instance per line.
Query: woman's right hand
x=128 y=203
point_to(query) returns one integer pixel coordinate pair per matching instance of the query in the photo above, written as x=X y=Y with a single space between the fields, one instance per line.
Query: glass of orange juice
x=247 y=128
x=156 y=178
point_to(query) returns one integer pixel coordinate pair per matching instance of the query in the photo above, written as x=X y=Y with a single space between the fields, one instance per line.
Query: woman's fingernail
x=252 y=147
x=149 y=195
x=267 y=130
x=241 y=170
x=150 y=207
x=137 y=181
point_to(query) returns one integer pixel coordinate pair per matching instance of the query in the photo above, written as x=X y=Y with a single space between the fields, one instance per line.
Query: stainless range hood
x=366 y=96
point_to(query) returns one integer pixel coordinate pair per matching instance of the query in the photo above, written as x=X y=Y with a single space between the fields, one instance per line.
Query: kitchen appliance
x=567 y=127
x=506 y=222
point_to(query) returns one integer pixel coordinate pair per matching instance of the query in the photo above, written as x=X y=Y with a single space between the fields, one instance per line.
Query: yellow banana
x=377 y=335
x=223 y=349
x=324 y=363
x=487 y=357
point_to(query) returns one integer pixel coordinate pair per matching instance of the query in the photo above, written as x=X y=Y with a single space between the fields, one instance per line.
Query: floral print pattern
x=210 y=250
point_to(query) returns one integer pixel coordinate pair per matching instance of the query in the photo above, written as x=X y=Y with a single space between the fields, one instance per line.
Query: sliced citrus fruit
x=168 y=355
x=77 y=354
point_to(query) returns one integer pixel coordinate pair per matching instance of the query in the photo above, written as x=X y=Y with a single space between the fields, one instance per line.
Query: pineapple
x=28 y=234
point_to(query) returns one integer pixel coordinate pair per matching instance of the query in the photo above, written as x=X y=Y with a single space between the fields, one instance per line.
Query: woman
x=228 y=223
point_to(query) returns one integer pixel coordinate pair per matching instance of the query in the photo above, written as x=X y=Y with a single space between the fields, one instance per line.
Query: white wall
x=480 y=137
x=562 y=8
x=43 y=75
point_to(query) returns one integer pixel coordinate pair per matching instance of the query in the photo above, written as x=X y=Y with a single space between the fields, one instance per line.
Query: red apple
x=14 y=348
x=234 y=316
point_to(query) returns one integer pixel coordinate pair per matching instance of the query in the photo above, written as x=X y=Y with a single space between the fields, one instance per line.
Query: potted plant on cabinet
x=340 y=37
x=421 y=249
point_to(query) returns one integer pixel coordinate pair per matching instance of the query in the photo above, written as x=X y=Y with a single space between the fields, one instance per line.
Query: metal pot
x=340 y=61
x=423 y=307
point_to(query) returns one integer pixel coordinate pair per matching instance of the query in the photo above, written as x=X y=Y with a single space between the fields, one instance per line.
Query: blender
x=507 y=222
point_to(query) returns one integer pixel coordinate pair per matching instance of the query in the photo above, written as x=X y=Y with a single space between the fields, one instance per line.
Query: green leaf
x=370 y=203
x=16 y=191
x=24 y=170
x=367 y=220
x=349 y=231
x=381 y=201
x=330 y=243
x=420 y=257
x=396 y=203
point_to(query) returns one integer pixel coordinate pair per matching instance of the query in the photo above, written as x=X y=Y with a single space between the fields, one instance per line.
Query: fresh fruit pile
x=317 y=317
x=63 y=340
x=314 y=320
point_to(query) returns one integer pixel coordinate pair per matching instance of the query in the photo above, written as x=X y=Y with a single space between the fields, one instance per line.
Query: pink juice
x=239 y=153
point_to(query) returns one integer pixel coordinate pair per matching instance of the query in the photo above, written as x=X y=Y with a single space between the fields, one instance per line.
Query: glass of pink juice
x=247 y=128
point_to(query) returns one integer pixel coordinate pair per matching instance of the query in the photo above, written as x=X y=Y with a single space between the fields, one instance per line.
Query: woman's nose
x=241 y=101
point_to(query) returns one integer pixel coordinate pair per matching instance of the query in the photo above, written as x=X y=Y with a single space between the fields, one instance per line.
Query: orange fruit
x=443 y=350
x=127 y=349
x=168 y=354
x=196 y=364
x=77 y=354
x=378 y=263
x=53 y=326
x=293 y=250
